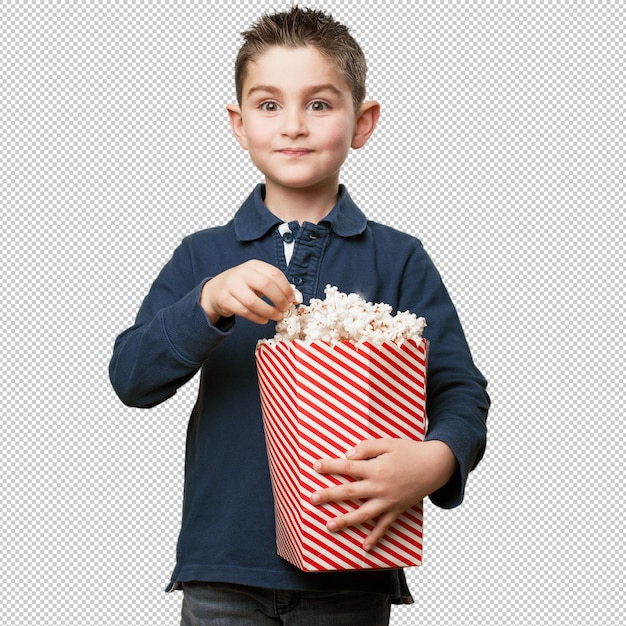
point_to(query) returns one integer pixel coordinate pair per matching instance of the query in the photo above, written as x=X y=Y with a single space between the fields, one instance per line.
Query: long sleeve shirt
x=227 y=532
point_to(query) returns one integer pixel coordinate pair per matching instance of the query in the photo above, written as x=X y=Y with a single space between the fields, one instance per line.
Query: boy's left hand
x=391 y=475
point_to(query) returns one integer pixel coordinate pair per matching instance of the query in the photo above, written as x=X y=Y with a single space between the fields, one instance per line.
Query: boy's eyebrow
x=313 y=89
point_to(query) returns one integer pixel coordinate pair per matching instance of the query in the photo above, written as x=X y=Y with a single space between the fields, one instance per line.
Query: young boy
x=300 y=79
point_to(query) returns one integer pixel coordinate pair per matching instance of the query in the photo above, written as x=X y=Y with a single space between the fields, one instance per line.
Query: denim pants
x=223 y=604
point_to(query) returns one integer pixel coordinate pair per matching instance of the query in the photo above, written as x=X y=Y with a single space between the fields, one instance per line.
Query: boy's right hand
x=239 y=291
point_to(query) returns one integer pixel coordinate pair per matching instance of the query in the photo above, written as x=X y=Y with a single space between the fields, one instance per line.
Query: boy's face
x=297 y=119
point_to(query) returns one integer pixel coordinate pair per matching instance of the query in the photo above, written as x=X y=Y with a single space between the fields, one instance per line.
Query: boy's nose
x=294 y=124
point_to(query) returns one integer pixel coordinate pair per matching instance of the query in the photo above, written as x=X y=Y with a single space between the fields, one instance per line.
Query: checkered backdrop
x=501 y=146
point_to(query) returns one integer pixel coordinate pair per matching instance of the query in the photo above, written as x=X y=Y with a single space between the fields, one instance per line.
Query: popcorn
x=346 y=317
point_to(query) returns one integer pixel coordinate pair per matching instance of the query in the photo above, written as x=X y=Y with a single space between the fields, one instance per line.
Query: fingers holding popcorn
x=245 y=290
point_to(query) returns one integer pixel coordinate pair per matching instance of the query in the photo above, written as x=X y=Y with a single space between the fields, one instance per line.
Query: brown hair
x=305 y=27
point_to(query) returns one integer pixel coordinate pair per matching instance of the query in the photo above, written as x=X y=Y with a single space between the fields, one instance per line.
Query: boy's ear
x=367 y=118
x=236 y=124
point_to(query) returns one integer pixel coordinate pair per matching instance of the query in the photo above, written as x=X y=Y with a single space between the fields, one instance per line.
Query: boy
x=300 y=80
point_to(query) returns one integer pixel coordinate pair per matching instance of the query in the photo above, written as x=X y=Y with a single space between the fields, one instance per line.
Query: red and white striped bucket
x=319 y=400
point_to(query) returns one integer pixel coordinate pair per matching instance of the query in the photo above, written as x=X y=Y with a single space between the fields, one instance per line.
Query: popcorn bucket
x=319 y=400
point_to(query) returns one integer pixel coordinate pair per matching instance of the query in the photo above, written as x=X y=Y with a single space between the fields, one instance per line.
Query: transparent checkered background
x=501 y=146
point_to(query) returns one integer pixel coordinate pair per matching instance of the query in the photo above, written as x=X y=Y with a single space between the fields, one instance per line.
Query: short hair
x=301 y=27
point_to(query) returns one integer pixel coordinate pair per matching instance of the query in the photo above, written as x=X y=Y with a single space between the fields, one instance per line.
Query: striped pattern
x=319 y=401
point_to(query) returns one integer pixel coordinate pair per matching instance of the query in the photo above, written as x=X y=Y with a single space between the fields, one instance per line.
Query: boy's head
x=299 y=28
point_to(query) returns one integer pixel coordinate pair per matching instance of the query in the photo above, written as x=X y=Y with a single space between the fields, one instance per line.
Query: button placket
x=307 y=257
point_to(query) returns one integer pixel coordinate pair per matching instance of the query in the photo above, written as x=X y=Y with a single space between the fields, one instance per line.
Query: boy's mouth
x=295 y=152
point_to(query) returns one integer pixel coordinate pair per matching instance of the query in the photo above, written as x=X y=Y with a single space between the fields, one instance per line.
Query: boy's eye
x=319 y=105
x=269 y=106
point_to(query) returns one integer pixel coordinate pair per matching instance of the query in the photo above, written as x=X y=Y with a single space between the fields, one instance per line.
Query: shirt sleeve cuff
x=189 y=330
x=455 y=434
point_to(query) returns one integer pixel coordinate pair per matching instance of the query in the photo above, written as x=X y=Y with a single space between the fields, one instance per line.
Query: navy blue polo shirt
x=227 y=531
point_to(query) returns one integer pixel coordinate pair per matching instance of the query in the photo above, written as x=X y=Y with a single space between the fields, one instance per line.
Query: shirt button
x=297 y=280
x=288 y=237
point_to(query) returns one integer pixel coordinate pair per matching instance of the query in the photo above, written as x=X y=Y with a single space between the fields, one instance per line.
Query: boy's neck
x=301 y=205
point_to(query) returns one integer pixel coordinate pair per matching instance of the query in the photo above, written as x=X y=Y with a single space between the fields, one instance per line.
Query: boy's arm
x=168 y=342
x=457 y=402
x=391 y=475
x=180 y=323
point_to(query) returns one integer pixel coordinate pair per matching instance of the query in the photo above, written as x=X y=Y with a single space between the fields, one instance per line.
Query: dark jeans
x=222 y=604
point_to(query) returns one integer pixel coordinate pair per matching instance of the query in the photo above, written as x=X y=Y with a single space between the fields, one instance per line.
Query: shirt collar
x=254 y=219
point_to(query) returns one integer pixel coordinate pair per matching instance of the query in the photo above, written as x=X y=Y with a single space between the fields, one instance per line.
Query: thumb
x=368 y=449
